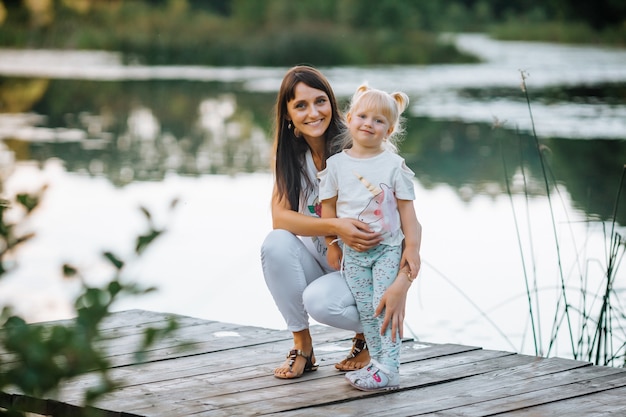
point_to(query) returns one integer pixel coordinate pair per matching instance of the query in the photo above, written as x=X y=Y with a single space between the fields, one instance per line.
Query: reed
x=589 y=314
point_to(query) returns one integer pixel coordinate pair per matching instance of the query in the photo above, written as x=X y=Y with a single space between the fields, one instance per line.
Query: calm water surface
x=107 y=138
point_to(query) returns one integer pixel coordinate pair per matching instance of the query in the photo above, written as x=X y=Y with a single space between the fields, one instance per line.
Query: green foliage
x=38 y=358
x=272 y=33
x=574 y=33
x=10 y=240
x=284 y=32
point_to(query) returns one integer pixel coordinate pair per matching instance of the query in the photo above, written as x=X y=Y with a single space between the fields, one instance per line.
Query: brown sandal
x=309 y=366
x=358 y=346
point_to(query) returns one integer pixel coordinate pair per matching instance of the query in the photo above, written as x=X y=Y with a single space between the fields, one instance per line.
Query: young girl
x=370 y=182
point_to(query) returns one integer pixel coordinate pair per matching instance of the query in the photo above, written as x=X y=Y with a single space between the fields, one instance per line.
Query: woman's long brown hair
x=289 y=150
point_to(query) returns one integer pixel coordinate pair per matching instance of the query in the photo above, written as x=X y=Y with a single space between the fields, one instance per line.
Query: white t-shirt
x=311 y=206
x=367 y=190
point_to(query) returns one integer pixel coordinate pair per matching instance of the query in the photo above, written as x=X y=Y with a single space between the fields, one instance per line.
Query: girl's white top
x=367 y=190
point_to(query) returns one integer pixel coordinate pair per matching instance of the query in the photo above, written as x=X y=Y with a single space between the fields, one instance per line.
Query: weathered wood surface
x=226 y=370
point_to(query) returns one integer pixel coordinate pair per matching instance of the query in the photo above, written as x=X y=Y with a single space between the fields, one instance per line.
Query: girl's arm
x=351 y=231
x=412 y=230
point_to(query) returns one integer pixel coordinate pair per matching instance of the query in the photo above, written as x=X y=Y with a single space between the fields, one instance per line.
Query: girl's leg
x=385 y=271
x=383 y=372
x=358 y=274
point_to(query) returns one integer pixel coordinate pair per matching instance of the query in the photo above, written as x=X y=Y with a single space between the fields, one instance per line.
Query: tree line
x=283 y=32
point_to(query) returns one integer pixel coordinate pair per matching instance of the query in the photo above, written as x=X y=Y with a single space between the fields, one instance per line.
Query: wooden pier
x=227 y=371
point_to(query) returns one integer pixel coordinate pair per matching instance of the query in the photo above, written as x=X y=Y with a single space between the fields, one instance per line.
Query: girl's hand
x=357 y=234
x=333 y=256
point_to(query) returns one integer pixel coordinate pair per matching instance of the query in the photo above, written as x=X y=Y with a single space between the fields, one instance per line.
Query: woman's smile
x=315 y=123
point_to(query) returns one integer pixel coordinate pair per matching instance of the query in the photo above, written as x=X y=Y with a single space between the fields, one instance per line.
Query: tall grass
x=589 y=314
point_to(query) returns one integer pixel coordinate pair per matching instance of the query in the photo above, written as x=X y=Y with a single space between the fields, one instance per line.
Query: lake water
x=108 y=138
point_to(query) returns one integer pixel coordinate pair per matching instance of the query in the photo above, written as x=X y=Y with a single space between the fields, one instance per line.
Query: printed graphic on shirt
x=320 y=245
x=382 y=207
x=315 y=208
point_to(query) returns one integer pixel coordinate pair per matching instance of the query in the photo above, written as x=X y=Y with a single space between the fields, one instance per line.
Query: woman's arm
x=351 y=231
x=393 y=303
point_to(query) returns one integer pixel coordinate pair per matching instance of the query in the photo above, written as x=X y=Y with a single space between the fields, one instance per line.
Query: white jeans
x=301 y=287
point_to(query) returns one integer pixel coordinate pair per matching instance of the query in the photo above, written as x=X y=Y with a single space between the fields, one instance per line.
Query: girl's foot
x=359 y=373
x=359 y=355
x=374 y=378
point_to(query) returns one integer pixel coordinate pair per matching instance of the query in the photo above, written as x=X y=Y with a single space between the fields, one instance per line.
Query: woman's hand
x=393 y=302
x=357 y=234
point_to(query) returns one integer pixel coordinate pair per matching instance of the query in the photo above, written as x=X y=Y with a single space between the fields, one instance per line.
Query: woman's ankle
x=303 y=341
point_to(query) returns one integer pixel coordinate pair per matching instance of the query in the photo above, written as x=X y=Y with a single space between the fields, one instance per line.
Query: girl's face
x=368 y=128
x=310 y=111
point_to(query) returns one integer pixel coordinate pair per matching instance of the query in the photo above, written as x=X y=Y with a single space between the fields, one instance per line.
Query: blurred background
x=117 y=104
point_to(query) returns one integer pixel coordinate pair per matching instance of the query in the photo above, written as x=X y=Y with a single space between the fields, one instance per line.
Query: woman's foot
x=300 y=358
x=359 y=355
x=297 y=363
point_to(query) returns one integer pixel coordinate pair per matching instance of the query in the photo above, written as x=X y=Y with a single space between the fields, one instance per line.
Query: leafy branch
x=35 y=359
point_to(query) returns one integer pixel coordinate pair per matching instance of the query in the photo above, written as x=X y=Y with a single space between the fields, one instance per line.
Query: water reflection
x=114 y=134
x=473 y=159
x=142 y=130
x=130 y=123
x=137 y=131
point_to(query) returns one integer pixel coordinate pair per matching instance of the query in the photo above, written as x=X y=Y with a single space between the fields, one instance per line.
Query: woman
x=307 y=127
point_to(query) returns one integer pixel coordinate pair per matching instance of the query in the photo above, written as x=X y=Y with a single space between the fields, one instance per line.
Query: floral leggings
x=368 y=275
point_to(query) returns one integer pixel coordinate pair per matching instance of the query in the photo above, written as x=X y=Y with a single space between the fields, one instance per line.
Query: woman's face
x=310 y=111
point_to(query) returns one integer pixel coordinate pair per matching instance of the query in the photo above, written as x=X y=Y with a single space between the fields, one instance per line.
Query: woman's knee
x=277 y=244
x=315 y=299
x=329 y=301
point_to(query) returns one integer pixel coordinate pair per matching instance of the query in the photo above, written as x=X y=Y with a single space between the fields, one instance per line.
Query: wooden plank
x=235 y=371
x=606 y=403
x=217 y=336
x=540 y=397
x=225 y=370
x=334 y=390
x=444 y=388
x=228 y=371
x=126 y=328
x=497 y=385
x=265 y=394
x=420 y=380
x=226 y=360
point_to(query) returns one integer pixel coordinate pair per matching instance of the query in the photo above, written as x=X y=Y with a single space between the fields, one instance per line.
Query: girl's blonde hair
x=390 y=105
